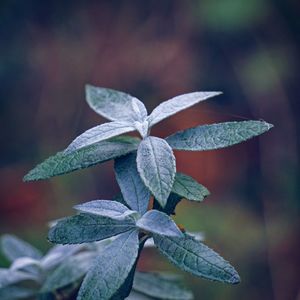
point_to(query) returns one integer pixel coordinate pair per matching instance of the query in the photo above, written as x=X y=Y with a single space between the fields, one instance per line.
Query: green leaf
x=160 y=286
x=99 y=133
x=158 y=222
x=194 y=257
x=62 y=162
x=188 y=188
x=84 y=228
x=115 y=105
x=215 y=136
x=106 y=208
x=9 y=277
x=15 y=292
x=111 y=268
x=157 y=167
x=13 y=248
x=177 y=104
x=134 y=191
x=70 y=272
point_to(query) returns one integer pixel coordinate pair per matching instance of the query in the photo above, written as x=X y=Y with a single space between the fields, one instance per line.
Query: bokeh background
x=155 y=50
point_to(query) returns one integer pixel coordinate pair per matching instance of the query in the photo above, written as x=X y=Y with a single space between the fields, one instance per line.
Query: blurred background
x=155 y=50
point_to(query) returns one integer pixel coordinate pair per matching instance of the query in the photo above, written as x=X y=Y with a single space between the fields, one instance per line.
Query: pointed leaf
x=106 y=208
x=160 y=286
x=62 y=162
x=111 y=268
x=188 y=188
x=194 y=257
x=99 y=133
x=13 y=248
x=85 y=228
x=70 y=272
x=115 y=105
x=158 y=222
x=157 y=167
x=177 y=104
x=134 y=191
x=10 y=277
x=216 y=136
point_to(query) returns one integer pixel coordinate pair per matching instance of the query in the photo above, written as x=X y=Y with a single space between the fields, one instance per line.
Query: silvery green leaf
x=10 y=277
x=216 y=136
x=13 y=248
x=160 y=286
x=177 y=104
x=157 y=167
x=106 y=208
x=111 y=268
x=70 y=272
x=158 y=222
x=134 y=191
x=99 y=133
x=194 y=257
x=188 y=188
x=115 y=105
x=85 y=228
x=15 y=293
x=26 y=264
x=60 y=253
x=63 y=163
x=119 y=198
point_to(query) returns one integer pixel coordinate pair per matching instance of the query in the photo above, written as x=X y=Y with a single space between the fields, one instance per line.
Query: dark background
x=155 y=50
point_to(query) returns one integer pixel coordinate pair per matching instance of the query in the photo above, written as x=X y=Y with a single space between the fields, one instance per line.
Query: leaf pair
x=102 y=219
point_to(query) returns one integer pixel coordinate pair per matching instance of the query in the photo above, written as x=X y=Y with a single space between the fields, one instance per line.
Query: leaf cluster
x=145 y=167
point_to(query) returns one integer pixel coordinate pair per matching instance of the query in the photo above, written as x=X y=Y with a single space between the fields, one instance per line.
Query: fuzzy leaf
x=70 y=272
x=62 y=163
x=15 y=293
x=177 y=104
x=134 y=191
x=115 y=105
x=13 y=248
x=216 y=136
x=194 y=257
x=158 y=222
x=106 y=208
x=157 y=167
x=9 y=277
x=99 y=133
x=160 y=286
x=85 y=228
x=111 y=268
x=188 y=188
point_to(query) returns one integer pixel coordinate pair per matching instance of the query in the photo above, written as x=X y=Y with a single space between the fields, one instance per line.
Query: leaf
x=13 y=248
x=106 y=208
x=160 y=286
x=85 y=228
x=134 y=191
x=188 y=188
x=99 y=133
x=70 y=272
x=176 y=104
x=10 y=277
x=15 y=292
x=137 y=296
x=194 y=257
x=111 y=268
x=157 y=167
x=158 y=222
x=115 y=105
x=216 y=136
x=62 y=163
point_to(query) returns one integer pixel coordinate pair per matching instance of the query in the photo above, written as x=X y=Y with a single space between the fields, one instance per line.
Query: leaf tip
x=235 y=279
